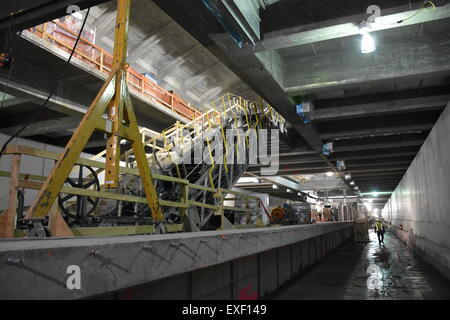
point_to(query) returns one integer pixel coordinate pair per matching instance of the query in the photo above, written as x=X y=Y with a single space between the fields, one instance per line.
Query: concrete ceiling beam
x=381 y=108
x=372 y=146
x=352 y=133
x=356 y=155
x=359 y=170
x=392 y=62
x=348 y=26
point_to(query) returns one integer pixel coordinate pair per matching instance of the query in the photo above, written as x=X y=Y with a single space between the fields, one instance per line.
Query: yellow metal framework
x=182 y=132
x=112 y=113
x=120 y=124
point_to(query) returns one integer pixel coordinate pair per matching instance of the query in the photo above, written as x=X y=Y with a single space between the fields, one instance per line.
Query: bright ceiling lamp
x=367 y=42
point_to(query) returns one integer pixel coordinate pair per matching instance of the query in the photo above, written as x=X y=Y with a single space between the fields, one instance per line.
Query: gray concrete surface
x=350 y=271
x=128 y=261
x=248 y=278
x=420 y=203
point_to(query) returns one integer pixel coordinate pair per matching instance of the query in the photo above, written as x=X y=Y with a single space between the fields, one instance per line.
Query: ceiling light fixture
x=367 y=42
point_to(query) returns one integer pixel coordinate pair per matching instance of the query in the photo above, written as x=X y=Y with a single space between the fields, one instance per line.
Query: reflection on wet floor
x=358 y=271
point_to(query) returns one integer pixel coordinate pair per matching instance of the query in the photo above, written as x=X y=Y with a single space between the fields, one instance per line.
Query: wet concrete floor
x=366 y=272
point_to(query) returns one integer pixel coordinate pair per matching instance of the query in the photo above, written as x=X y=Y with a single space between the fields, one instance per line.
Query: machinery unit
x=294 y=213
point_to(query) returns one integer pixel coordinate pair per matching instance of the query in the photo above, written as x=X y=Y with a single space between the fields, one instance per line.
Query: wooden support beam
x=8 y=217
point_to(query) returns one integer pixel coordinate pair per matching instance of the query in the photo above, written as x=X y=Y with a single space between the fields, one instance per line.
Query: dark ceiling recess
x=28 y=13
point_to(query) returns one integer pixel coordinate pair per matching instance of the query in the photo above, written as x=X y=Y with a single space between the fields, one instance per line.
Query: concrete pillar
x=296 y=257
x=174 y=288
x=268 y=268
x=306 y=257
x=212 y=282
x=245 y=278
x=284 y=265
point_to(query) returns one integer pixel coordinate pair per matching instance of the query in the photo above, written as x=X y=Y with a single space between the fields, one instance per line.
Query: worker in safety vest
x=379 y=228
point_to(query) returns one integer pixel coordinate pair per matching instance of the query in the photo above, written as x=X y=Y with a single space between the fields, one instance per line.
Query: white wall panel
x=421 y=201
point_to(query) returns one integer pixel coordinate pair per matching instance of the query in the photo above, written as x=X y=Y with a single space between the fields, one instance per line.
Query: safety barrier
x=63 y=37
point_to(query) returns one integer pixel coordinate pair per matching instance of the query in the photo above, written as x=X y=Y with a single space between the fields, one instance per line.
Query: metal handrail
x=64 y=38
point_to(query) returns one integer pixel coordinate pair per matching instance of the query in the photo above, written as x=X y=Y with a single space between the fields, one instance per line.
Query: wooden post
x=101 y=60
x=8 y=217
x=58 y=227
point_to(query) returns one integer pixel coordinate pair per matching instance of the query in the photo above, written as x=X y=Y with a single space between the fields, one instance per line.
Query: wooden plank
x=174 y=227
x=8 y=217
x=166 y=203
x=123 y=230
x=204 y=205
x=57 y=225
x=239 y=209
x=112 y=231
x=16 y=149
x=24 y=176
x=85 y=192
x=199 y=187
x=101 y=194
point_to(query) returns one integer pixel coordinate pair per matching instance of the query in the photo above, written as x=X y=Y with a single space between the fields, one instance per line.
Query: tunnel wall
x=419 y=208
x=247 y=278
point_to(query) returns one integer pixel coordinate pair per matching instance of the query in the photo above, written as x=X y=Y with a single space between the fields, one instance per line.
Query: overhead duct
x=239 y=16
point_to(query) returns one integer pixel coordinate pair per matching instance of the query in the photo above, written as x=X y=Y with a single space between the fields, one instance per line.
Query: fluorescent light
x=375 y=194
x=367 y=43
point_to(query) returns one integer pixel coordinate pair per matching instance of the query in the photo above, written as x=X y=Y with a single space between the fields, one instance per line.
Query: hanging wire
x=43 y=106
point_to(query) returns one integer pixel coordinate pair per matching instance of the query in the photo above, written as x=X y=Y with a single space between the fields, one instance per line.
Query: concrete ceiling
x=377 y=108
x=159 y=46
